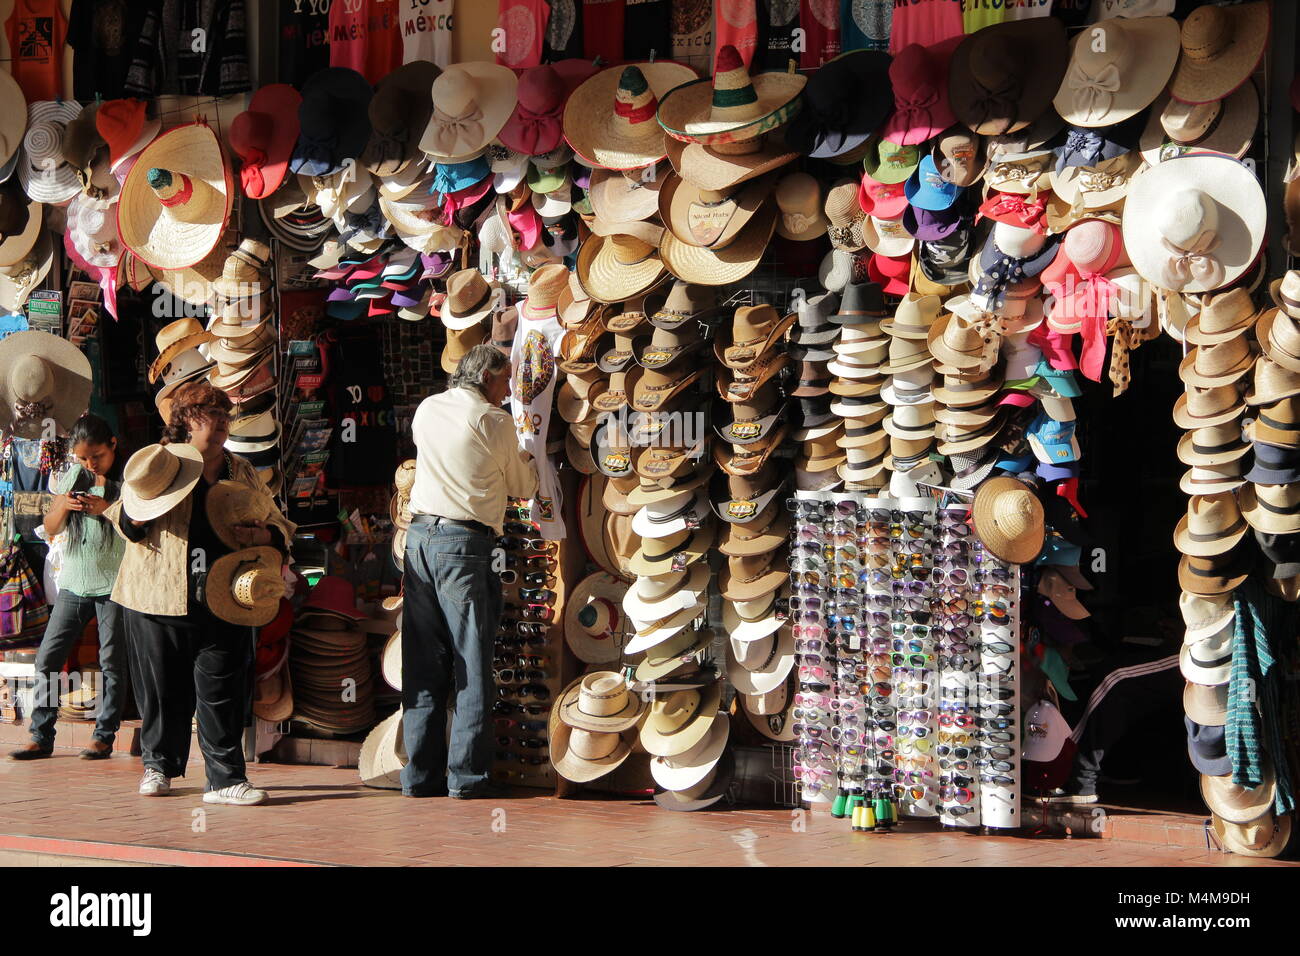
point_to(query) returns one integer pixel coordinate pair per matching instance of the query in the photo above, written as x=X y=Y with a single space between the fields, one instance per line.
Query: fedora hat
x=1221 y=317
x=1213 y=444
x=862 y=303
x=1271 y=382
x=959 y=345
x=609 y=120
x=1206 y=479
x=176 y=200
x=1206 y=704
x=762 y=665
x=157 y=478
x=1008 y=520
x=1266 y=837
x=600 y=702
x=1176 y=127
x=1276 y=424
x=263 y=137
x=232 y=503
x=721 y=266
x=1285 y=292
x=798 y=197
x=245 y=587
x=1003 y=77
x=593 y=625
x=844 y=102
x=678 y=652
x=470 y=299
x=471 y=103
x=679 y=720
x=1201 y=407
x=654 y=598
x=749 y=577
x=618 y=267
x=731 y=107
x=41 y=376
x=1217 y=575
x=914 y=318
x=1279 y=337
x=1219 y=363
x=686 y=770
x=1203 y=617
x=42 y=168
x=1194 y=223
x=1274 y=464
x=905 y=355
x=1117 y=69
x=1213 y=526
x=1236 y=804
x=1220 y=50
x=1274 y=509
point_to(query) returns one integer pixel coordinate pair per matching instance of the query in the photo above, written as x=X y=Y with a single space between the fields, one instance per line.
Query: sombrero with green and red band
x=732 y=106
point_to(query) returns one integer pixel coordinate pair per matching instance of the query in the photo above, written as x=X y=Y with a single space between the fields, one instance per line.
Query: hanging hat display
x=609 y=120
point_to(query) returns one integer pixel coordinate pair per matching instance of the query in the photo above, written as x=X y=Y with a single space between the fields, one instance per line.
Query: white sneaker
x=154 y=784
x=236 y=795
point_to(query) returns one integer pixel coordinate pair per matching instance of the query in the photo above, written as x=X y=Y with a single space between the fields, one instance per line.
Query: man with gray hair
x=467 y=461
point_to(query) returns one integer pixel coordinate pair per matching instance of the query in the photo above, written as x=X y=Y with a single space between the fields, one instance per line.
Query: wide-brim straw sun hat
x=44 y=375
x=157 y=478
x=1221 y=48
x=619 y=267
x=471 y=103
x=245 y=587
x=609 y=120
x=44 y=173
x=593 y=619
x=1117 y=67
x=732 y=263
x=732 y=105
x=1009 y=520
x=176 y=199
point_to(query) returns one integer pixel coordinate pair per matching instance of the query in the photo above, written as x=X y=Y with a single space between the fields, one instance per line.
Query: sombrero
x=610 y=119
x=732 y=106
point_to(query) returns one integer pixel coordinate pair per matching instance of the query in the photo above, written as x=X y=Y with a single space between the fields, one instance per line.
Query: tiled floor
x=322 y=815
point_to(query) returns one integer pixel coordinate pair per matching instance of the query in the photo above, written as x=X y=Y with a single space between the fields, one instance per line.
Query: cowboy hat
x=245 y=587
x=12 y=124
x=233 y=503
x=592 y=620
x=41 y=376
x=761 y=665
x=688 y=769
x=1003 y=77
x=1194 y=223
x=1008 y=520
x=714 y=267
x=176 y=199
x=157 y=478
x=679 y=720
x=731 y=107
x=652 y=633
x=609 y=120
x=750 y=577
x=583 y=755
x=383 y=754
x=661 y=596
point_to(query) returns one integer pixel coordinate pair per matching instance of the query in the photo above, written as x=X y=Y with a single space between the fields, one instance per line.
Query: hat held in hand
x=246 y=587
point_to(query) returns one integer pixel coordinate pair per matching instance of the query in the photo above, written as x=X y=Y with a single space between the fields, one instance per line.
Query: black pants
x=181 y=666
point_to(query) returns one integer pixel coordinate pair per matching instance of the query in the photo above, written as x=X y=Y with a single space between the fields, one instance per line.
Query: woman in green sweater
x=90 y=563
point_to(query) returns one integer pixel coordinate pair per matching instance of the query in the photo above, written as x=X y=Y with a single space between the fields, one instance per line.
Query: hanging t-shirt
x=364 y=37
x=523 y=27
x=864 y=24
x=1074 y=13
x=532 y=393
x=101 y=34
x=779 y=26
x=736 y=25
x=820 y=21
x=602 y=30
x=926 y=22
x=978 y=14
x=1027 y=9
x=304 y=40
x=692 y=31
x=37 y=34
x=426 y=27
x=563 y=40
x=363 y=445
x=646 y=29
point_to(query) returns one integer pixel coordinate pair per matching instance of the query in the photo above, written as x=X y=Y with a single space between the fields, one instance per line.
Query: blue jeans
x=450 y=612
x=68 y=619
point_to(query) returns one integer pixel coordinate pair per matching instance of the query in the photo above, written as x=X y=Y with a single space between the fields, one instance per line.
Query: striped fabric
x=1257 y=679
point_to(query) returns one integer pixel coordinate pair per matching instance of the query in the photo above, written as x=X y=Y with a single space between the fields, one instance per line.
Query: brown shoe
x=33 y=751
x=98 y=750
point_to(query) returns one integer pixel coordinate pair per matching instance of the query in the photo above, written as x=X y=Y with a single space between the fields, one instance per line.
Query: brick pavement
x=321 y=815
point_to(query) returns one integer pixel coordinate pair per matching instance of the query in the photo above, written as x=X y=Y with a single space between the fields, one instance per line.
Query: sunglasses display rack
x=907 y=655
x=527 y=658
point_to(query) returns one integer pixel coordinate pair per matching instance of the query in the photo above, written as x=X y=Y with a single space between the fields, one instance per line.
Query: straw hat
x=470 y=298
x=1279 y=335
x=1274 y=509
x=688 y=769
x=714 y=267
x=610 y=119
x=798 y=196
x=678 y=721
x=231 y=503
x=582 y=755
x=1226 y=126
x=1003 y=77
x=1266 y=837
x=1234 y=803
x=619 y=267
x=1212 y=526
x=383 y=754
x=847 y=221
x=600 y=702
x=732 y=106
x=1194 y=223
x=176 y=199
x=157 y=478
x=246 y=587
x=41 y=376
x=1009 y=520
x=593 y=624
x=471 y=103
x=1116 y=69
x=42 y=168
x=1220 y=49
x=761 y=665
x=1209 y=445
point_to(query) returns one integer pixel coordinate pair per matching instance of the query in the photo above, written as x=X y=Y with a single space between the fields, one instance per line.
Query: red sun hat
x=334 y=595
x=536 y=126
x=919 y=76
x=263 y=137
x=1015 y=210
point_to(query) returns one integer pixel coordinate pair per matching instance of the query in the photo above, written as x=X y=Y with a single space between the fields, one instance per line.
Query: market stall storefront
x=909 y=394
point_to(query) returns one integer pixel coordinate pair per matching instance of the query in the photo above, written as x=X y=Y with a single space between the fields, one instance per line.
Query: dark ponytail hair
x=90 y=429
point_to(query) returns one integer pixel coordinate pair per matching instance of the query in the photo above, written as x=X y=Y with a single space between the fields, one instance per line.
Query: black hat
x=845 y=101
x=1274 y=465
x=861 y=303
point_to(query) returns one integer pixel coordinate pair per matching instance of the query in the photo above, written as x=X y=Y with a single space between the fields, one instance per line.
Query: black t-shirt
x=563 y=40
x=103 y=36
x=304 y=40
x=777 y=22
x=646 y=28
x=363 y=447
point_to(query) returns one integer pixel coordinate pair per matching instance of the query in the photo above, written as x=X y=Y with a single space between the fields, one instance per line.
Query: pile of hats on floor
x=333 y=682
x=273 y=690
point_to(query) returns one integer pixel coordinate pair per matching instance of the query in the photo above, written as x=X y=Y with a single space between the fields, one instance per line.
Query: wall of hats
x=797 y=333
